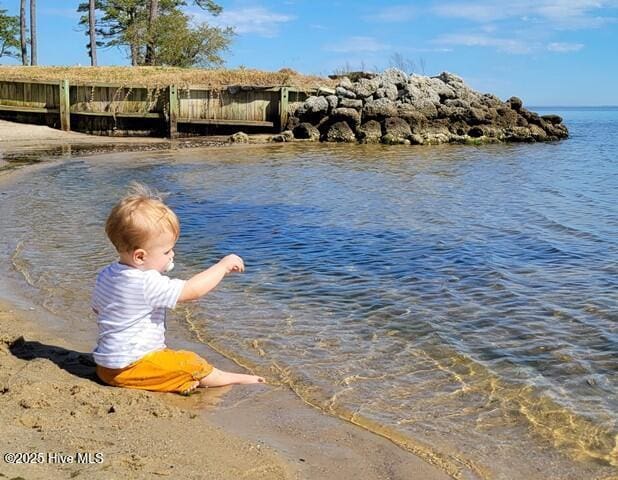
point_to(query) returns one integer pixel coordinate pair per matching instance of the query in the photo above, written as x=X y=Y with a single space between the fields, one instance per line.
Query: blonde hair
x=139 y=216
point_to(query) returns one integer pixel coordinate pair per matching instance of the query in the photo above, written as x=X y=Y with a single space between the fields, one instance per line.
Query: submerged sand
x=53 y=407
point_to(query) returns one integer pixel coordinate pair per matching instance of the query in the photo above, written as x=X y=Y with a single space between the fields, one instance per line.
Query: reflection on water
x=460 y=301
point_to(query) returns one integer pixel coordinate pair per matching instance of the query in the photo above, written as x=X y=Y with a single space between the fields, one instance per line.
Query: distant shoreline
x=581 y=107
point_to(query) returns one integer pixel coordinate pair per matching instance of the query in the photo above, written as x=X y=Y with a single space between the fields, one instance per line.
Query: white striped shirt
x=130 y=305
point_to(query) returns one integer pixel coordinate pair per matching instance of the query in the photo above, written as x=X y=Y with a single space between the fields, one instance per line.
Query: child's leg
x=219 y=378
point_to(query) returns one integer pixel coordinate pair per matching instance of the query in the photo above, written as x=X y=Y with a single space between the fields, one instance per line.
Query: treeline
x=152 y=32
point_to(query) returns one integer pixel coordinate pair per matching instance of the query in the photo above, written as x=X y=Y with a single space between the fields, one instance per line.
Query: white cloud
x=564 y=47
x=561 y=14
x=508 y=45
x=257 y=20
x=357 y=44
x=395 y=13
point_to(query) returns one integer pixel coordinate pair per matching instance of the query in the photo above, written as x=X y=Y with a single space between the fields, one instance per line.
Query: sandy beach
x=60 y=421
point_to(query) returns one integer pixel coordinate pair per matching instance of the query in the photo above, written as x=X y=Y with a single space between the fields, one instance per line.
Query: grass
x=163 y=76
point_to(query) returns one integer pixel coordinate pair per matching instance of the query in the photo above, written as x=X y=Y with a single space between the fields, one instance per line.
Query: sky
x=547 y=52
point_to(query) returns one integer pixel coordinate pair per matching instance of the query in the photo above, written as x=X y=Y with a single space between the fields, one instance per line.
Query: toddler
x=131 y=296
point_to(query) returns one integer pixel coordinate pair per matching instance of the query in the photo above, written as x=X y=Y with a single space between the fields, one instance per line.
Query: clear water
x=461 y=301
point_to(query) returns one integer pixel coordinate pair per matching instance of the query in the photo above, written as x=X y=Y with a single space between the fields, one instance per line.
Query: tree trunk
x=152 y=20
x=134 y=54
x=33 y=40
x=93 y=37
x=22 y=31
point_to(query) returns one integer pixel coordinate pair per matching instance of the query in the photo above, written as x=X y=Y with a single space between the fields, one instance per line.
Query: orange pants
x=160 y=371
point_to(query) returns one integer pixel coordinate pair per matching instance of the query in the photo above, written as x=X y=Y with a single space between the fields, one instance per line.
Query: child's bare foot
x=251 y=379
x=219 y=378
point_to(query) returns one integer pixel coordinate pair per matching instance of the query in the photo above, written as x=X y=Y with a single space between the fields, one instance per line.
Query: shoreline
x=52 y=402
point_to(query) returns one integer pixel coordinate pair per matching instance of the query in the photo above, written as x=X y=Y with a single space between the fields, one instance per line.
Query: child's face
x=159 y=253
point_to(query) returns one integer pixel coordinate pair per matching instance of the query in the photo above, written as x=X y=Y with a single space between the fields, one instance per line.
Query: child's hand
x=233 y=263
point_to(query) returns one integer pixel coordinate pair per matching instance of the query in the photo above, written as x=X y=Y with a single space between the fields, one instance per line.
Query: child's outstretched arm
x=202 y=283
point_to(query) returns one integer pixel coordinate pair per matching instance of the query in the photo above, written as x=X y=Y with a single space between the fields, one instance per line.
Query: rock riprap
x=397 y=108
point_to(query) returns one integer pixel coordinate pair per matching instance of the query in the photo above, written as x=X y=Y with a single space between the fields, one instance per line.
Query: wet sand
x=52 y=403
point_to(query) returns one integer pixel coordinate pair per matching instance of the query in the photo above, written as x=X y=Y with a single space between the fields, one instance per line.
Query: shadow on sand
x=76 y=363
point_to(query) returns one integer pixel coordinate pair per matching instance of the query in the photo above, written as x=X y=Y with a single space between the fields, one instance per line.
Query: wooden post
x=174 y=111
x=283 y=108
x=64 y=106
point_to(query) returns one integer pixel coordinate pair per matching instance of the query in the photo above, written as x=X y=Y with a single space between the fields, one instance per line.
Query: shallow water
x=459 y=300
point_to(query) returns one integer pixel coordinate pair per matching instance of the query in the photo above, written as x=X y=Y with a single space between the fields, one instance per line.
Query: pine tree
x=9 y=35
x=158 y=32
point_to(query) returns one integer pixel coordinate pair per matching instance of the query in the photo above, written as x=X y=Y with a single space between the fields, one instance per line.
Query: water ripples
x=461 y=301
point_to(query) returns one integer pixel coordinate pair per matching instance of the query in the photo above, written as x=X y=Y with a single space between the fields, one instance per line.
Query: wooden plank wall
x=253 y=105
x=29 y=95
x=90 y=98
x=196 y=103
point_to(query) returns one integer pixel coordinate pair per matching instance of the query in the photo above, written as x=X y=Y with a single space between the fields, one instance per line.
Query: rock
x=537 y=133
x=396 y=130
x=340 y=132
x=315 y=104
x=491 y=101
x=515 y=103
x=436 y=137
x=506 y=117
x=476 y=116
x=333 y=101
x=292 y=123
x=365 y=88
x=369 y=132
x=325 y=91
x=394 y=76
x=239 y=137
x=346 y=83
x=349 y=115
x=518 y=134
x=390 y=139
x=436 y=110
x=344 y=93
x=285 y=136
x=380 y=108
x=313 y=109
x=390 y=91
x=307 y=131
x=553 y=119
x=444 y=91
x=416 y=139
x=476 y=132
x=351 y=103
x=420 y=90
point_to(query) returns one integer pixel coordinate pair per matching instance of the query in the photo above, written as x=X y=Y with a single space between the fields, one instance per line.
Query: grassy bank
x=160 y=76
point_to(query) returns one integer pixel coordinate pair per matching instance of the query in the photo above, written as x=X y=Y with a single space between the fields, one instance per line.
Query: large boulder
x=307 y=131
x=369 y=132
x=415 y=119
x=349 y=115
x=380 y=108
x=396 y=131
x=350 y=103
x=388 y=91
x=365 y=88
x=394 y=76
x=333 y=102
x=312 y=109
x=515 y=103
x=553 y=119
x=343 y=92
x=340 y=132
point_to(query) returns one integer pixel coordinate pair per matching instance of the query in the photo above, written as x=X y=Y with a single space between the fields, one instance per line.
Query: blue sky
x=548 y=52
